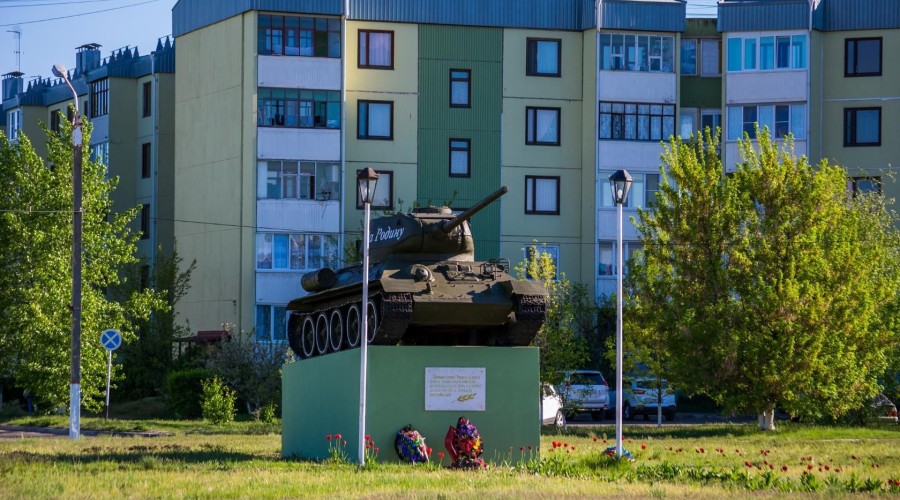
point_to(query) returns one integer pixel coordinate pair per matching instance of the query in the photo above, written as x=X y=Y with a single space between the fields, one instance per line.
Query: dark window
x=148 y=98
x=145 y=277
x=460 y=88
x=376 y=120
x=376 y=49
x=145 y=221
x=541 y=195
x=384 y=192
x=542 y=126
x=636 y=122
x=54 y=120
x=299 y=36
x=862 y=57
x=865 y=185
x=100 y=98
x=298 y=108
x=862 y=127
x=749 y=123
x=146 y=153
x=543 y=57
x=460 y=157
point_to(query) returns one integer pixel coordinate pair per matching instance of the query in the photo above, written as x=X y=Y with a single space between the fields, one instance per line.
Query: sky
x=50 y=30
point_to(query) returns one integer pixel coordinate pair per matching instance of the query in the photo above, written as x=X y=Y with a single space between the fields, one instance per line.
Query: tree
x=562 y=345
x=771 y=287
x=35 y=270
x=146 y=362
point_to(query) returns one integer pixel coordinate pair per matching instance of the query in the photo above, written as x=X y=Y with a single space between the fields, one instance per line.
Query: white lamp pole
x=75 y=371
x=366 y=180
x=620 y=182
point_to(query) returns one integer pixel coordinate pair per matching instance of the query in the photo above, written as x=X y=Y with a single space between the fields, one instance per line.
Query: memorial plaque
x=455 y=389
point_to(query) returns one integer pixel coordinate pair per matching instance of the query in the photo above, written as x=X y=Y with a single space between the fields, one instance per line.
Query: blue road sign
x=111 y=339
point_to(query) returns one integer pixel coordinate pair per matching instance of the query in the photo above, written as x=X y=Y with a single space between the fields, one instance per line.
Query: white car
x=585 y=391
x=551 y=407
x=639 y=397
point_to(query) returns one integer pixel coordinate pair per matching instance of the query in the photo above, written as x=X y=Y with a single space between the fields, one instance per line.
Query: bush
x=184 y=391
x=218 y=401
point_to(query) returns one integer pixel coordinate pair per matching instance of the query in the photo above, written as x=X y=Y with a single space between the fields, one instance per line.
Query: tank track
x=531 y=311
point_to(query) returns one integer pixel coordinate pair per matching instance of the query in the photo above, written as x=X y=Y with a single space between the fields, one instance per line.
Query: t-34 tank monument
x=425 y=288
x=447 y=337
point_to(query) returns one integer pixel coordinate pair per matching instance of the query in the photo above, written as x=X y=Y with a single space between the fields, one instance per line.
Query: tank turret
x=425 y=289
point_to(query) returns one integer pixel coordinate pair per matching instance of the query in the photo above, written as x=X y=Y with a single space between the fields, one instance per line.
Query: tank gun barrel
x=451 y=224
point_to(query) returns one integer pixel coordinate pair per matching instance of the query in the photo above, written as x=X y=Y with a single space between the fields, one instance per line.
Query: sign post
x=111 y=340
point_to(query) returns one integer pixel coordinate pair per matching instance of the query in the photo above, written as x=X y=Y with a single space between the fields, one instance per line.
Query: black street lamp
x=620 y=182
x=366 y=181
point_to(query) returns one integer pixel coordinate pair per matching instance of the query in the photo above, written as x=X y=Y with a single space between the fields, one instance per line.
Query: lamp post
x=75 y=373
x=620 y=182
x=366 y=180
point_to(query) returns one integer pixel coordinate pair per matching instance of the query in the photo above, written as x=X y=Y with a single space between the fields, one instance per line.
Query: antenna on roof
x=17 y=31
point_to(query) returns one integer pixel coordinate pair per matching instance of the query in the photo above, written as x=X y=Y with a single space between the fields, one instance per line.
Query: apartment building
x=128 y=99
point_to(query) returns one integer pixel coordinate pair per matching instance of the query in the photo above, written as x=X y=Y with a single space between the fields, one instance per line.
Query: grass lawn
x=243 y=460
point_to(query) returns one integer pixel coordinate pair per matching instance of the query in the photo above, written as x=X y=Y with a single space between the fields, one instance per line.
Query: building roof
x=763 y=15
x=845 y=15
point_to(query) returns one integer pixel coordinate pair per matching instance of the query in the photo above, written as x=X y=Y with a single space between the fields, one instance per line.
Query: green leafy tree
x=35 y=270
x=146 y=362
x=769 y=287
x=562 y=343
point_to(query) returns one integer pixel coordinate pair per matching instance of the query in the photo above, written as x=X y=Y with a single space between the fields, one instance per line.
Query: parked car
x=885 y=411
x=551 y=407
x=639 y=397
x=584 y=391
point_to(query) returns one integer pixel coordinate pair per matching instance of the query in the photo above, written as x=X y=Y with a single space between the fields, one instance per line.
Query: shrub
x=218 y=401
x=184 y=390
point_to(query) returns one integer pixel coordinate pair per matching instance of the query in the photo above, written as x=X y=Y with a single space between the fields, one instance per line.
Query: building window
x=607 y=256
x=55 y=118
x=384 y=192
x=460 y=158
x=100 y=97
x=148 y=99
x=543 y=57
x=296 y=252
x=376 y=49
x=145 y=221
x=857 y=185
x=271 y=323
x=145 y=277
x=146 y=153
x=687 y=122
x=624 y=121
x=100 y=153
x=710 y=60
x=298 y=108
x=541 y=195
x=766 y=53
x=641 y=195
x=298 y=180
x=688 y=57
x=460 y=88
x=862 y=57
x=376 y=120
x=638 y=53
x=550 y=250
x=13 y=124
x=542 y=126
x=711 y=119
x=862 y=127
x=781 y=119
x=299 y=36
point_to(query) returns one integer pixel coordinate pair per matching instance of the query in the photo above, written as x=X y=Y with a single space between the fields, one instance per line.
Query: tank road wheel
x=295 y=329
x=372 y=321
x=321 y=333
x=352 y=323
x=336 y=330
x=308 y=337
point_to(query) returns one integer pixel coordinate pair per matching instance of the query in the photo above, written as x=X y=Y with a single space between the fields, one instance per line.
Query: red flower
x=784 y=468
x=371 y=443
x=376 y=450
x=809 y=466
x=428 y=450
x=367 y=438
x=565 y=445
x=521 y=449
x=827 y=467
x=643 y=446
x=337 y=436
x=440 y=454
x=328 y=437
x=573 y=447
x=345 y=442
x=748 y=464
x=595 y=439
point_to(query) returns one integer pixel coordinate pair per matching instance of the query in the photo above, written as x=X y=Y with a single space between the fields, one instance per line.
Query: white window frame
x=794 y=62
x=644 y=187
x=765 y=117
x=702 y=48
x=13 y=124
x=272 y=323
x=328 y=256
x=609 y=271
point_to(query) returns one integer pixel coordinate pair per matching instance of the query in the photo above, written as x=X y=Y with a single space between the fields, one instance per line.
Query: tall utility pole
x=77 y=146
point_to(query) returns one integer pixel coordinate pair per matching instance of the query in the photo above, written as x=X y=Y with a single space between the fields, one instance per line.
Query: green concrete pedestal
x=320 y=397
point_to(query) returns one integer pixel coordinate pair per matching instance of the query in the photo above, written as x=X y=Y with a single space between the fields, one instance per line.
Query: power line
x=78 y=15
x=49 y=3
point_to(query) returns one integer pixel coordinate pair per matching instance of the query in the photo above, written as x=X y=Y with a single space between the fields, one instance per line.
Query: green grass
x=238 y=461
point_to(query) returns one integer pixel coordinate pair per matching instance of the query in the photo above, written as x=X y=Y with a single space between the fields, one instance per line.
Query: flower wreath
x=410 y=445
x=465 y=445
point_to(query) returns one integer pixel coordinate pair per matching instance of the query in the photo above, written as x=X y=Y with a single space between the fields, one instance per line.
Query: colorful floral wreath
x=465 y=445
x=410 y=445
x=611 y=453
